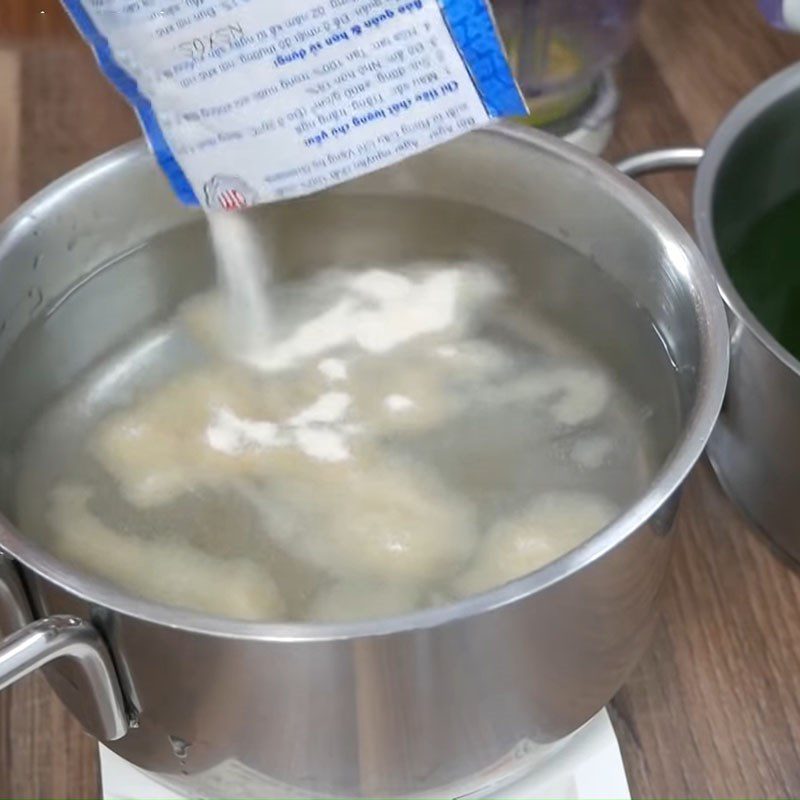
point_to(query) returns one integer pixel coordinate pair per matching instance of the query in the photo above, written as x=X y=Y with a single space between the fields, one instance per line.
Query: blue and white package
x=251 y=101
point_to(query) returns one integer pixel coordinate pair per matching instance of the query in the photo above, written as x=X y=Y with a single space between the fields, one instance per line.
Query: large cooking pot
x=751 y=165
x=445 y=701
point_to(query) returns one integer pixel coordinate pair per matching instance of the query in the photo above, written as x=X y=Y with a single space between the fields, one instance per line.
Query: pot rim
x=725 y=136
x=700 y=419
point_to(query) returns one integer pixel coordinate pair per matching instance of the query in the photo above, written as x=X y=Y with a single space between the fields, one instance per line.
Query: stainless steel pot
x=446 y=701
x=751 y=164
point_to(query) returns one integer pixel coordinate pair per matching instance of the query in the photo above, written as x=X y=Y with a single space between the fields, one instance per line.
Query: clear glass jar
x=558 y=48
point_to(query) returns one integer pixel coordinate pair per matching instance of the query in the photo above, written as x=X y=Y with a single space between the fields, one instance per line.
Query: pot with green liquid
x=765 y=269
x=747 y=218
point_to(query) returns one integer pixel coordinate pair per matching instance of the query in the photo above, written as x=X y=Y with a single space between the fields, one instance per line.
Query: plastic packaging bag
x=250 y=101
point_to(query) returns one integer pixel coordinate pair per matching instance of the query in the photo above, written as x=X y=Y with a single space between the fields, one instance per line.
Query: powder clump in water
x=164 y=571
x=552 y=525
x=387 y=435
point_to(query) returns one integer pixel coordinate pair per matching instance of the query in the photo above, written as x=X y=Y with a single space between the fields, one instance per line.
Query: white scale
x=587 y=766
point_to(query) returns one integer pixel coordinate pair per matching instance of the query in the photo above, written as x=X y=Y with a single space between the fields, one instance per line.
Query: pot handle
x=671 y=158
x=15 y=610
x=45 y=640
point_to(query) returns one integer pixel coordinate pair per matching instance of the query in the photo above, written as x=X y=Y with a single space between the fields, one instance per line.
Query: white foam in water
x=165 y=570
x=396 y=446
x=376 y=310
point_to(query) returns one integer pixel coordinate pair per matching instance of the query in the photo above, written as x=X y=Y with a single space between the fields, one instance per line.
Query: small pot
x=443 y=702
x=751 y=164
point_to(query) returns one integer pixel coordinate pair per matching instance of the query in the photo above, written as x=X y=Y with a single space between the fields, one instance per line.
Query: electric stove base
x=588 y=766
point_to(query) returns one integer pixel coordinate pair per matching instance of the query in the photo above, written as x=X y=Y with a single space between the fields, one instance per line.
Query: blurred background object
x=562 y=52
x=781 y=13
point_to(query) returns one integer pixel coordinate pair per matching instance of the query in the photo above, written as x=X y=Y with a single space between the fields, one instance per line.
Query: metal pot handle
x=51 y=638
x=15 y=610
x=661 y=161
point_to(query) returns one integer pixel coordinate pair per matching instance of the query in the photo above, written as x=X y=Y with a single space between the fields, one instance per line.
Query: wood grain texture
x=714 y=708
x=10 y=129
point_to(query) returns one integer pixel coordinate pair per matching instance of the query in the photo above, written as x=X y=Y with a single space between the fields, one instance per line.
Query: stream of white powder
x=244 y=273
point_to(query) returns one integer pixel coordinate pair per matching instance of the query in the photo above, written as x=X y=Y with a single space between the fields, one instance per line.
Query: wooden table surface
x=714 y=707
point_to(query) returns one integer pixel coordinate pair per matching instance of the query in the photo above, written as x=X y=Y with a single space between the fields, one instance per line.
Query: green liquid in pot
x=765 y=270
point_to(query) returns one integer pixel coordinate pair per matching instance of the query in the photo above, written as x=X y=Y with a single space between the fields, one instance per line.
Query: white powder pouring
x=244 y=272
x=377 y=310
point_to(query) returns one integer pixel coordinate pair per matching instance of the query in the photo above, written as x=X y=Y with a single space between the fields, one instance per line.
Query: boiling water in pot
x=430 y=426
